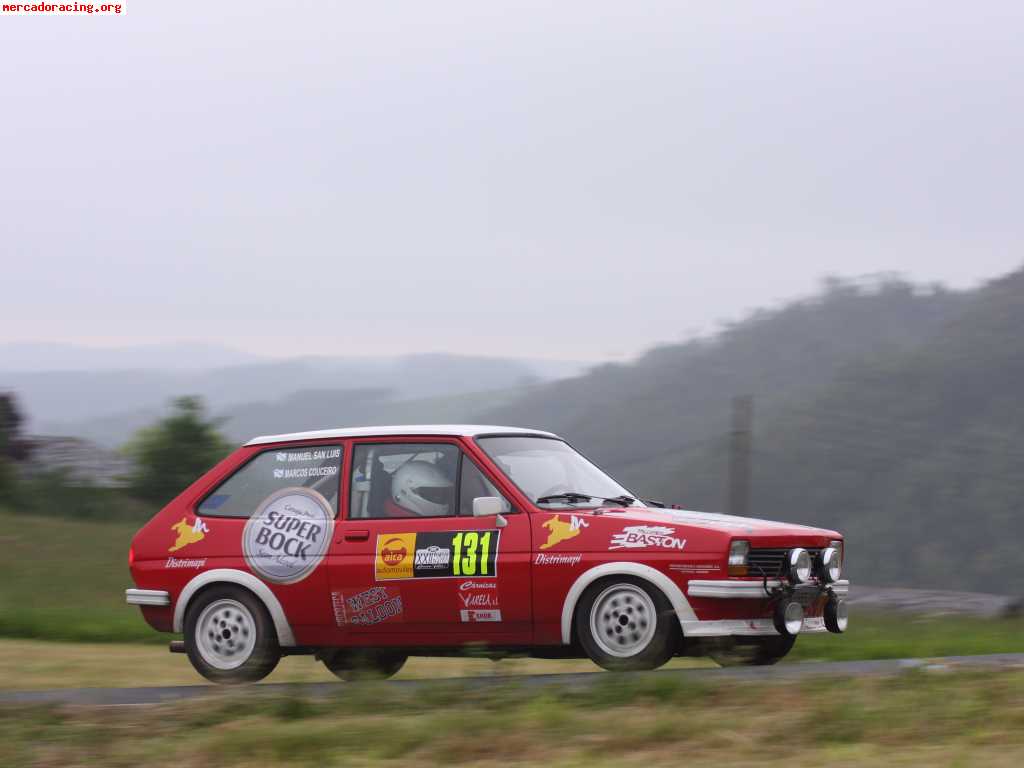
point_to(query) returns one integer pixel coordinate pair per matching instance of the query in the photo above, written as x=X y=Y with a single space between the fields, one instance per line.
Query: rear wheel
x=229 y=637
x=363 y=664
x=751 y=652
x=625 y=623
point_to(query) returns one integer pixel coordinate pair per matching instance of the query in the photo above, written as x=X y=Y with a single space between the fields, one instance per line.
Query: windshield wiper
x=573 y=497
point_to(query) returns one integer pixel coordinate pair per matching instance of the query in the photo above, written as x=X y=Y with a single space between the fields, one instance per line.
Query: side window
x=314 y=467
x=393 y=480
x=474 y=483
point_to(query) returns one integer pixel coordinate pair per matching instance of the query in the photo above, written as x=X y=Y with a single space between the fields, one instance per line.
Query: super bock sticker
x=287 y=537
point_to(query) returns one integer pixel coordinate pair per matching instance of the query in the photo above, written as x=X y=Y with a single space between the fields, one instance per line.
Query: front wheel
x=624 y=623
x=756 y=652
x=229 y=637
x=352 y=665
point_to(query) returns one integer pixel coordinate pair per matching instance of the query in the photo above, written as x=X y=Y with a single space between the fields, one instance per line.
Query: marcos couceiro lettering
x=437 y=555
x=288 y=535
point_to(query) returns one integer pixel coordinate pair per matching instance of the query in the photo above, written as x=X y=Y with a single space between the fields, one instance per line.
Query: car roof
x=412 y=430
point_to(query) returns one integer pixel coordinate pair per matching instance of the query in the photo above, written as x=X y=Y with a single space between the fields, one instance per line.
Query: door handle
x=361 y=535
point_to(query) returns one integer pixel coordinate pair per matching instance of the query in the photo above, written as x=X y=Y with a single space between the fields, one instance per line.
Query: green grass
x=65 y=580
x=875 y=636
x=918 y=718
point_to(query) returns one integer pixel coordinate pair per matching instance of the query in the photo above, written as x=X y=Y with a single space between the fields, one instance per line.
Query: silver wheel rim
x=225 y=634
x=623 y=620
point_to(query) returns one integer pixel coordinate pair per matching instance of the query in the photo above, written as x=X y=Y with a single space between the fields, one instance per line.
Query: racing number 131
x=469 y=550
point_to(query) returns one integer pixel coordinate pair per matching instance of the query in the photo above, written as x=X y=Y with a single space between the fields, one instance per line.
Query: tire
x=351 y=665
x=624 y=623
x=229 y=637
x=760 y=652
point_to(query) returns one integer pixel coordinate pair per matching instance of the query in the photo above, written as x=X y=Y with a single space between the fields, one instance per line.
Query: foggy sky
x=571 y=179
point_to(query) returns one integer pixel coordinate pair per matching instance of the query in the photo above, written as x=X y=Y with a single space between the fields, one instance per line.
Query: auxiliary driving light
x=789 y=618
x=837 y=615
x=799 y=565
x=831 y=565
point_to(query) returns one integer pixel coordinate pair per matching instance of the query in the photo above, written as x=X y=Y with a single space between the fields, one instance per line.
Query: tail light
x=131 y=556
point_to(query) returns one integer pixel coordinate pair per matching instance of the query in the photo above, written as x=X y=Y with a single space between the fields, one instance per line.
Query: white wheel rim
x=225 y=634
x=623 y=620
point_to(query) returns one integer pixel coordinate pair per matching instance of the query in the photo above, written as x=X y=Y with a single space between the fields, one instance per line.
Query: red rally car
x=364 y=546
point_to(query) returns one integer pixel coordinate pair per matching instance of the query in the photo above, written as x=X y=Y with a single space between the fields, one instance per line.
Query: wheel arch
x=285 y=638
x=656 y=578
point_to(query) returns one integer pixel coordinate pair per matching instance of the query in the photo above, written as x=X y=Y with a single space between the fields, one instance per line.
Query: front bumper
x=754 y=590
x=751 y=590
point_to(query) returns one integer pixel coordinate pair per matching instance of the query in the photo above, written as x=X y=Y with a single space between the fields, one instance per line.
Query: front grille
x=771 y=562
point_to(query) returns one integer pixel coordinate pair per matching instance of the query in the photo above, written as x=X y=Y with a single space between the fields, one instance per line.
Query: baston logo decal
x=288 y=535
x=188 y=534
x=560 y=530
x=638 y=536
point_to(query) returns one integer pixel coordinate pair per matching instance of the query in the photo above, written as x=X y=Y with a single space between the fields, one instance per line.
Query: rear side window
x=317 y=468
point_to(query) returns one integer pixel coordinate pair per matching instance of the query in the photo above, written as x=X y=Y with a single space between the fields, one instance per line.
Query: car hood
x=733 y=525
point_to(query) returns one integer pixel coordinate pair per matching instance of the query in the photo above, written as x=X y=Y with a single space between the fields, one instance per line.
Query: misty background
x=601 y=220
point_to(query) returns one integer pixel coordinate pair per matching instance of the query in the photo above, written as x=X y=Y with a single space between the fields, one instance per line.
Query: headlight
x=838 y=544
x=799 y=565
x=789 y=618
x=837 y=616
x=831 y=565
x=738 y=552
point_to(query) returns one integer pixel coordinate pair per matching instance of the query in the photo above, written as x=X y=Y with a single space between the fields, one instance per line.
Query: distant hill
x=107 y=405
x=36 y=357
x=677 y=397
x=322 y=409
x=889 y=412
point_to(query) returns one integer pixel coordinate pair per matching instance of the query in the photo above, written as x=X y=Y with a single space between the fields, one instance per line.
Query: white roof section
x=412 y=430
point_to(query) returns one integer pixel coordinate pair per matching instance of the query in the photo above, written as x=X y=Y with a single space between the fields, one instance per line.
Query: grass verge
x=65 y=580
x=948 y=719
x=38 y=664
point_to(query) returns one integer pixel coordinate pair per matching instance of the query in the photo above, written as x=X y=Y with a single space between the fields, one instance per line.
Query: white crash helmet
x=422 y=488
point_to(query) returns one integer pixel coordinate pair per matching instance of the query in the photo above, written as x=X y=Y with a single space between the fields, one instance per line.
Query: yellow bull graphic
x=188 y=534
x=560 y=530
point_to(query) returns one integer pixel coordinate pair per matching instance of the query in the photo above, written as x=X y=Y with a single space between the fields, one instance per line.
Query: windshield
x=544 y=467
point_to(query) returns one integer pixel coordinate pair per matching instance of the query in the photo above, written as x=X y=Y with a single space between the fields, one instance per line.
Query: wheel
x=364 y=664
x=625 y=623
x=229 y=636
x=752 y=652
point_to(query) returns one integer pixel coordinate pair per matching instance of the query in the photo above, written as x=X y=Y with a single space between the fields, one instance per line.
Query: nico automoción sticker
x=288 y=535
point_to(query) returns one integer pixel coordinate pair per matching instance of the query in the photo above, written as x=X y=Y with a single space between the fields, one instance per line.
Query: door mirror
x=487 y=506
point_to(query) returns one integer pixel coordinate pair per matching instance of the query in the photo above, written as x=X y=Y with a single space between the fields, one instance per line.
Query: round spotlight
x=799 y=565
x=837 y=615
x=789 y=618
x=831 y=565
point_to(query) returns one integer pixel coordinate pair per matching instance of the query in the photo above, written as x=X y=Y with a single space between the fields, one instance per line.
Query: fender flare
x=669 y=588
x=285 y=638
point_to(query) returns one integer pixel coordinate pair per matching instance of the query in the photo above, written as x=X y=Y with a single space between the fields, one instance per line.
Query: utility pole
x=740 y=440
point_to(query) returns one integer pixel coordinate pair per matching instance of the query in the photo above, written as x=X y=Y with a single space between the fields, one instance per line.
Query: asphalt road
x=782 y=672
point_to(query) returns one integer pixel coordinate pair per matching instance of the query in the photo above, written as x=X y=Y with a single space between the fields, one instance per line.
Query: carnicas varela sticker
x=288 y=535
